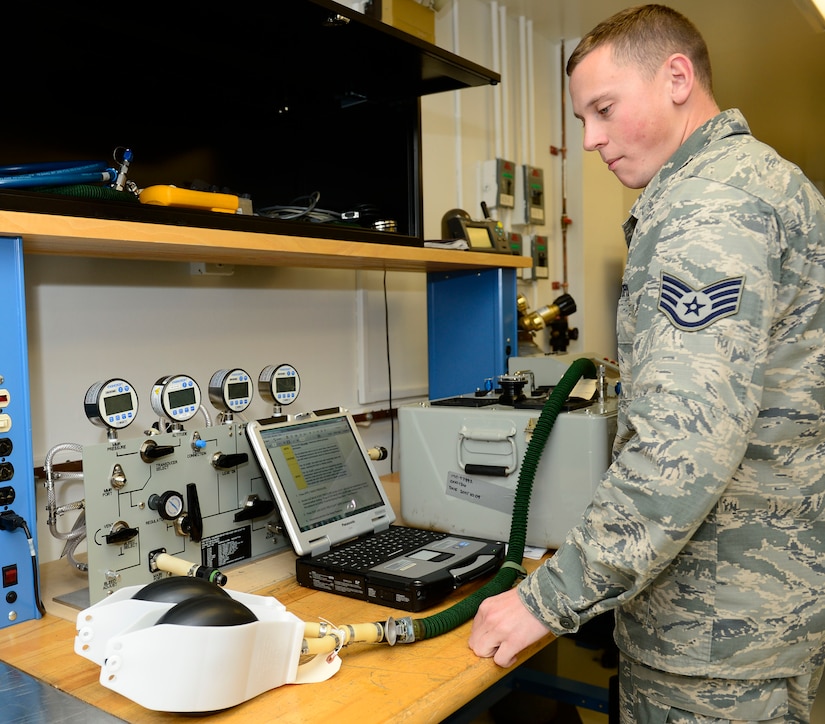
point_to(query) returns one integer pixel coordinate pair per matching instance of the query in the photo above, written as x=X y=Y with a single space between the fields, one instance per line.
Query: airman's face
x=627 y=117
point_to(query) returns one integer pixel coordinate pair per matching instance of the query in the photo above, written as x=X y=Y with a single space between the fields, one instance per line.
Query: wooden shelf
x=103 y=238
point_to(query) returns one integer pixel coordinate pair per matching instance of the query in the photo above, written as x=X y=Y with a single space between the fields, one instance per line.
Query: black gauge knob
x=169 y=505
x=229 y=461
x=151 y=451
x=120 y=533
x=254 y=507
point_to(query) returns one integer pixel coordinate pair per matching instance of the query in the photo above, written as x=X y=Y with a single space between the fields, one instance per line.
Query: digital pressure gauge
x=279 y=384
x=176 y=397
x=230 y=390
x=112 y=404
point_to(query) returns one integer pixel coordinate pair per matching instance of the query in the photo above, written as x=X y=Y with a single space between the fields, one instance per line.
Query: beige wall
x=605 y=205
x=460 y=133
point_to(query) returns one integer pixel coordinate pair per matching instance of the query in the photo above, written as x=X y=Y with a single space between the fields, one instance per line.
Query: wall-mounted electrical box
x=516 y=242
x=541 y=263
x=498 y=183
x=520 y=245
x=529 y=204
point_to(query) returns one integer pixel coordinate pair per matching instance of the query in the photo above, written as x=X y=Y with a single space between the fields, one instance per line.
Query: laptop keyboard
x=379 y=548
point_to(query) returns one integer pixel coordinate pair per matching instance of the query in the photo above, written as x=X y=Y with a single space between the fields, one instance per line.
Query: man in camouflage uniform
x=707 y=533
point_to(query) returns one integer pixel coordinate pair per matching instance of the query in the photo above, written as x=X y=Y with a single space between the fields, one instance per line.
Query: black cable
x=389 y=371
x=37 y=600
x=10 y=521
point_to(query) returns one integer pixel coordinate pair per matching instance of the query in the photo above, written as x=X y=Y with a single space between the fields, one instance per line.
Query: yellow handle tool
x=186 y=198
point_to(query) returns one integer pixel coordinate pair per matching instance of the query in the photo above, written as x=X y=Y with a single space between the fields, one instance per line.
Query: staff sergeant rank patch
x=692 y=309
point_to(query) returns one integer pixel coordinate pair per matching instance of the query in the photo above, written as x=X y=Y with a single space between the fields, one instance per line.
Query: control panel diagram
x=194 y=495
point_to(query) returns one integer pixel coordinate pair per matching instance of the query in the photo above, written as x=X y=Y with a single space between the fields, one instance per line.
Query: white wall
x=91 y=320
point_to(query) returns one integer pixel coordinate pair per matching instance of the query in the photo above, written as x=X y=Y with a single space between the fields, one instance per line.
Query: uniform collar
x=725 y=124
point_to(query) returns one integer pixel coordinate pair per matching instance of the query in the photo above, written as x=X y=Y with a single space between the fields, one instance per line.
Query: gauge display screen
x=286 y=384
x=118 y=403
x=182 y=398
x=237 y=390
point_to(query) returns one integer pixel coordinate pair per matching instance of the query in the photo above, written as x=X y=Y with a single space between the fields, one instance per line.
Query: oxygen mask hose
x=409 y=629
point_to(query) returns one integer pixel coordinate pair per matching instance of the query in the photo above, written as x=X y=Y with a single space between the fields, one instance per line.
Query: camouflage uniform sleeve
x=690 y=396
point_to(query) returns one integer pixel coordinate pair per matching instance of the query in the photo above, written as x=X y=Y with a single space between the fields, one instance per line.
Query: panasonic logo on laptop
x=347 y=522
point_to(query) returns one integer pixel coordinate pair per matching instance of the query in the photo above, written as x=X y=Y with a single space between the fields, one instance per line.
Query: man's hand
x=503 y=627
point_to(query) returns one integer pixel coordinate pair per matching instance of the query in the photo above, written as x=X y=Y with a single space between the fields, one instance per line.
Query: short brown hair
x=647 y=35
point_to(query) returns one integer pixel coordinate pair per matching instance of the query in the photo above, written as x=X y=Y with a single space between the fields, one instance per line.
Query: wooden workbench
x=420 y=682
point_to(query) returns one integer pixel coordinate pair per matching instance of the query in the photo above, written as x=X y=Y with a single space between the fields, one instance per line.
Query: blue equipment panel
x=18 y=526
x=472 y=329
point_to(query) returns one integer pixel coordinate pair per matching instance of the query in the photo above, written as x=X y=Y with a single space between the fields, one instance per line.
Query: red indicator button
x=9 y=576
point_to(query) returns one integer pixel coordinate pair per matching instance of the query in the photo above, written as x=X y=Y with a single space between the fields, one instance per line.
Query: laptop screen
x=322 y=470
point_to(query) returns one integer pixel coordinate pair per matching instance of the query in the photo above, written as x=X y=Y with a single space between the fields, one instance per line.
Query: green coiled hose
x=91 y=192
x=506 y=576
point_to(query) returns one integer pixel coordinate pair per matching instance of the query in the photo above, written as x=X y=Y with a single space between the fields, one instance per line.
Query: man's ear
x=680 y=73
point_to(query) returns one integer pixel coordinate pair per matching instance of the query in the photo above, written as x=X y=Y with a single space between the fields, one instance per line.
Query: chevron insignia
x=692 y=309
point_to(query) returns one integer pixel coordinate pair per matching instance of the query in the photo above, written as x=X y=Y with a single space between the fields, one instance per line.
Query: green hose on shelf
x=91 y=192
